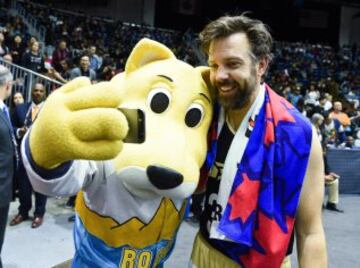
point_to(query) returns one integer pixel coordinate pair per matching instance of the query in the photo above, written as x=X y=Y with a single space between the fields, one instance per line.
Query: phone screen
x=136 y=121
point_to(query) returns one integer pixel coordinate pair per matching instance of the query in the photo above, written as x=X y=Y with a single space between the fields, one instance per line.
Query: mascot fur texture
x=130 y=195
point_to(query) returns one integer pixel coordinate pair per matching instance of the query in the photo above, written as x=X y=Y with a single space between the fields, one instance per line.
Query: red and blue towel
x=260 y=211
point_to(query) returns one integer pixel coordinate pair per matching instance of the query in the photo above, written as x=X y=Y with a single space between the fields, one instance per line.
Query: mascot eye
x=159 y=100
x=194 y=115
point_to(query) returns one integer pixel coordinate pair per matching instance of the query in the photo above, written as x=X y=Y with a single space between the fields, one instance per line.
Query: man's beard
x=243 y=93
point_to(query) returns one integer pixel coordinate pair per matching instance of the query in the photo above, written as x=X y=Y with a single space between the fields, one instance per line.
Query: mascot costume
x=131 y=196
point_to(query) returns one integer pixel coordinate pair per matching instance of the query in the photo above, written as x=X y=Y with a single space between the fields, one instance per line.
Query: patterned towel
x=264 y=193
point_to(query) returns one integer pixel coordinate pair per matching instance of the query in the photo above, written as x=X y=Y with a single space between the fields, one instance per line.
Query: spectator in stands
x=24 y=116
x=3 y=48
x=317 y=121
x=83 y=69
x=60 y=54
x=328 y=105
x=295 y=94
x=17 y=49
x=296 y=64
x=348 y=143
x=95 y=60
x=318 y=108
x=332 y=87
x=17 y=99
x=312 y=96
x=351 y=97
x=324 y=103
x=17 y=27
x=30 y=43
x=309 y=110
x=65 y=69
x=33 y=59
x=301 y=107
x=55 y=75
x=342 y=117
x=331 y=179
x=333 y=132
x=332 y=183
x=106 y=71
x=7 y=58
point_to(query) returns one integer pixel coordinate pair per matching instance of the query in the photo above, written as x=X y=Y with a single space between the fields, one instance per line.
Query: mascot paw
x=79 y=121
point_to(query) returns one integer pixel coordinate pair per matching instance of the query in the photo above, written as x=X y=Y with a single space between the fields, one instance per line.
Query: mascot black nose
x=164 y=178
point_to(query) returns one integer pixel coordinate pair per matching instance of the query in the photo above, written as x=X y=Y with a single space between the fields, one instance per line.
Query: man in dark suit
x=23 y=117
x=7 y=152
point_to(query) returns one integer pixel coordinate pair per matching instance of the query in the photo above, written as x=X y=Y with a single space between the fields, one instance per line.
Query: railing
x=25 y=80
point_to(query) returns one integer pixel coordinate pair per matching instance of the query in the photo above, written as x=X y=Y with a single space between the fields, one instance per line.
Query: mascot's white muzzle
x=154 y=181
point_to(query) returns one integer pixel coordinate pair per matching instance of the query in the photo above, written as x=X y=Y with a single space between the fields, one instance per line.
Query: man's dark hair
x=256 y=31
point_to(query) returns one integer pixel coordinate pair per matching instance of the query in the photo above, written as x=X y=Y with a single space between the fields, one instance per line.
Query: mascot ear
x=147 y=51
x=205 y=74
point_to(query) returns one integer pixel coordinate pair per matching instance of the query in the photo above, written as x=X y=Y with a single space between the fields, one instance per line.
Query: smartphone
x=136 y=121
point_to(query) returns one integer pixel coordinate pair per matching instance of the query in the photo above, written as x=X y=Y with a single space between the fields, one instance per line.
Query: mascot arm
x=78 y=121
x=64 y=180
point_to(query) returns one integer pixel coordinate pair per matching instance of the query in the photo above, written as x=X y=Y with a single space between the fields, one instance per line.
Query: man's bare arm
x=310 y=235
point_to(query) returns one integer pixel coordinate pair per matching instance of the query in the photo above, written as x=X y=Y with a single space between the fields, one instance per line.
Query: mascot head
x=176 y=102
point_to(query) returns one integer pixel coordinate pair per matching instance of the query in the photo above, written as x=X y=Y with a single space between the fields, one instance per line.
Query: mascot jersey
x=104 y=241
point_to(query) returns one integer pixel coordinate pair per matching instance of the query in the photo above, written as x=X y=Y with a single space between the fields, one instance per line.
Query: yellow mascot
x=131 y=195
